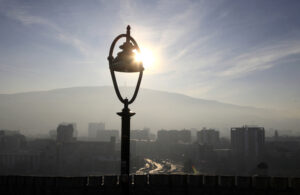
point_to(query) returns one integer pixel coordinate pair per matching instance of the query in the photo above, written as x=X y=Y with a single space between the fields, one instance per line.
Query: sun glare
x=146 y=56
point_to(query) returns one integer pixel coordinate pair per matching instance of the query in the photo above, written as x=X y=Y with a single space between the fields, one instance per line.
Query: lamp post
x=125 y=62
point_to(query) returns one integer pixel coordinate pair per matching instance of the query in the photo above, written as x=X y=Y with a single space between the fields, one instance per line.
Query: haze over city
x=35 y=113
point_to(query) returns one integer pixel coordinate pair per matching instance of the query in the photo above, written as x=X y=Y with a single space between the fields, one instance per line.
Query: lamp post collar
x=126 y=103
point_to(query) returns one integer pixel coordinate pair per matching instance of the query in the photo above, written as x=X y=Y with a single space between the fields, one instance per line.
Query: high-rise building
x=174 y=136
x=276 y=135
x=106 y=135
x=140 y=134
x=11 y=140
x=65 y=133
x=94 y=128
x=185 y=136
x=248 y=141
x=208 y=137
x=53 y=134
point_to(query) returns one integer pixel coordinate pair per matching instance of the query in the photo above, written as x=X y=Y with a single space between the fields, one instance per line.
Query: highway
x=160 y=167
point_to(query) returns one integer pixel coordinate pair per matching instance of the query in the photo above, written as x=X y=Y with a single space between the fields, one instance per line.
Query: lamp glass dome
x=125 y=60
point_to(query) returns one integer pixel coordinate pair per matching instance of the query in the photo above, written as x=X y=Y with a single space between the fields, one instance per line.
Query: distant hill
x=38 y=112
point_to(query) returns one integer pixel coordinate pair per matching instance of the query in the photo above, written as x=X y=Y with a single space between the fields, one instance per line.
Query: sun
x=146 y=56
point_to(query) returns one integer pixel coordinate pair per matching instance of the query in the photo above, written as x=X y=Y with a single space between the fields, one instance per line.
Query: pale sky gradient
x=240 y=52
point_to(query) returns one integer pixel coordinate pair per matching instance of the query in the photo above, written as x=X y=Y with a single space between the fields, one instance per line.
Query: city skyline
x=247 y=152
x=244 y=53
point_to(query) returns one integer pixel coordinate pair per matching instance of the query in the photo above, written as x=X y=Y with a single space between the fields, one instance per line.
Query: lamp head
x=125 y=60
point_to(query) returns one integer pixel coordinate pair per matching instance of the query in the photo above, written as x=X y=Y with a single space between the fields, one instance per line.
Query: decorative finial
x=128 y=34
x=128 y=29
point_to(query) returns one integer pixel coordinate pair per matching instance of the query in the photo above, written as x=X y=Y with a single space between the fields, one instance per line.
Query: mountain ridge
x=40 y=111
x=107 y=86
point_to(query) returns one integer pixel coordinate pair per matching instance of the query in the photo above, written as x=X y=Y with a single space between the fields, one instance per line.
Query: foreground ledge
x=150 y=184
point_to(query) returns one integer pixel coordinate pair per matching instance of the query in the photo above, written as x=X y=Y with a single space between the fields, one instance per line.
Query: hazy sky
x=240 y=52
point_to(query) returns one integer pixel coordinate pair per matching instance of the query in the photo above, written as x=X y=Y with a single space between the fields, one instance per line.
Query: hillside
x=38 y=112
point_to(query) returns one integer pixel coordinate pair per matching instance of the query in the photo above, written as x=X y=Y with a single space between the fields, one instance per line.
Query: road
x=160 y=167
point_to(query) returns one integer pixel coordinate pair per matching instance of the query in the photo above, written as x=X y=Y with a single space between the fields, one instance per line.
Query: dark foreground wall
x=150 y=184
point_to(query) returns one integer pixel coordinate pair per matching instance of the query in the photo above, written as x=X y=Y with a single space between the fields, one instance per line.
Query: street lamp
x=125 y=62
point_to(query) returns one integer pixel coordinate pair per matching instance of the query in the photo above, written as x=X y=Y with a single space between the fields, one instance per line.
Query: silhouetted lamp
x=125 y=62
